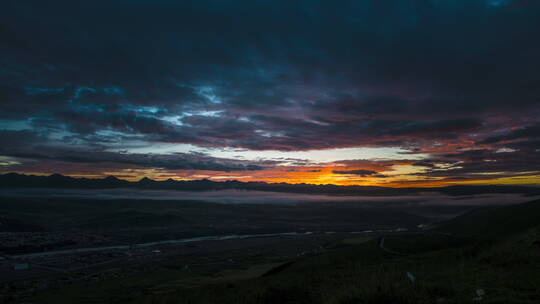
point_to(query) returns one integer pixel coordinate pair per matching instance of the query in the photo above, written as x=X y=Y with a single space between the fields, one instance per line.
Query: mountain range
x=15 y=180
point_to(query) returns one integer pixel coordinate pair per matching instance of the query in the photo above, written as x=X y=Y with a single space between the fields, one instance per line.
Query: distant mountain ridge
x=15 y=180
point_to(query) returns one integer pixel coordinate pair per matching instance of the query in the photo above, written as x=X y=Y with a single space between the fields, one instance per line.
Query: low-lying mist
x=268 y=198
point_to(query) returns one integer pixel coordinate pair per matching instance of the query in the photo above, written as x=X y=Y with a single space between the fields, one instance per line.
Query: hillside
x=495 y=222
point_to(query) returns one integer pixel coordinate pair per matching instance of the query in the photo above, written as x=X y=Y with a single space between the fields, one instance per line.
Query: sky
x=388 y=93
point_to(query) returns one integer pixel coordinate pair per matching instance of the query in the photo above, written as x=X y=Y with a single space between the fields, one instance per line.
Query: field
x=343 y=254
x=155 y=219
x=359 y=273
x=446 y=268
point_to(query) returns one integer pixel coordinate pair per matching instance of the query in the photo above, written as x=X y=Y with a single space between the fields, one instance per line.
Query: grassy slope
x=361 y=274
x=508 y=270
x=496 y=222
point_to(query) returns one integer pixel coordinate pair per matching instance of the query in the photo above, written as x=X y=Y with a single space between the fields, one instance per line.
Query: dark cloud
x=424 y=164
x=428 y=76
x=362 y=173
x=38 y=148
x=532 y=131
x=484 y=163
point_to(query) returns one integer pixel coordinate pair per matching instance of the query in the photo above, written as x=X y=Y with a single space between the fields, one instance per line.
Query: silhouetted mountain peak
x=145 y=180
x=59 y=178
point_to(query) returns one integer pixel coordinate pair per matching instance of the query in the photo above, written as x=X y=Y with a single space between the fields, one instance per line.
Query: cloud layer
x=90 y=87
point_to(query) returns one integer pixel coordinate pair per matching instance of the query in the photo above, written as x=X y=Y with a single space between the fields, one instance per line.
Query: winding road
x=383 y=248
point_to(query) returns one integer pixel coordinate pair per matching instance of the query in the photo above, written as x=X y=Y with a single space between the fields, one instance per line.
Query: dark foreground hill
x=466 y=270
x=496 y=222
x=14 y=180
